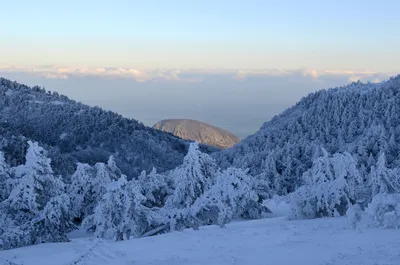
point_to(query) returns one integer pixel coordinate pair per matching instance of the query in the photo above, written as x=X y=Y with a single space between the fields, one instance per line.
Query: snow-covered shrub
x=384 y=211
x=232 y=196
x=354 y=215
x=278 y=206
x=330 y=188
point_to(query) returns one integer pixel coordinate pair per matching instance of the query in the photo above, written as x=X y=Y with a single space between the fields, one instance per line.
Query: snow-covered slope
x=362 y=119
x=276 y=241
x=73 y=132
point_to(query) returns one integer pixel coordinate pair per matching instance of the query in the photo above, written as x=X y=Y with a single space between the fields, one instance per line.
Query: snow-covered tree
x=121 y=213
x=110 y=215
x=154 y=187
x=57 y=219
x=192 y=178
x=81 y=191
x=331 y=187
x=35 y=185
x=88 y=185
x=36 y=210
x=4 y=178
x=383 y=179
x=232 y=196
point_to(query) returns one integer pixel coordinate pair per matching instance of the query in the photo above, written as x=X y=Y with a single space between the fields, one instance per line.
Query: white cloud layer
x=188 y=75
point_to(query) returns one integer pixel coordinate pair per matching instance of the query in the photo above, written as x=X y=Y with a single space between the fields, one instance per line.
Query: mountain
x=362 y=119
x=73 y=132
x=198 y=131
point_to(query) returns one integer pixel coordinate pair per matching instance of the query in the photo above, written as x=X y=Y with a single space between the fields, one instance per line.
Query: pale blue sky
x=350 y=34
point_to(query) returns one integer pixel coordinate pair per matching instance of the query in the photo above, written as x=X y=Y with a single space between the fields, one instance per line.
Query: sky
x=153 y=59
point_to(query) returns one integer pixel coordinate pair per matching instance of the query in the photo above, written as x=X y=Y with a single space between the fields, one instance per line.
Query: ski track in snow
x=275 y=241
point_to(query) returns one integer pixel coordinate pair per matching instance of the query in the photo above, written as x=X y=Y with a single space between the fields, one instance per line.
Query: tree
x=121 y=213
x=192 y=178
x=58 y=218
x=88 y=185
x=232 y=196
x=383 y=179
x=110 y=214
x=154 y=188
x=35 y=185
x=4 y=178
x=331 y=187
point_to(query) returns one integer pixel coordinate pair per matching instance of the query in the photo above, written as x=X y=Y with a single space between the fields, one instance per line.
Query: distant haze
x=237 y=101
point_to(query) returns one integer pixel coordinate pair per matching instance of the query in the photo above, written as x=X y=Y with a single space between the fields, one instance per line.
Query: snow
x=57 y=102
x=9 y=92
x=277 y=241
x=63 y=135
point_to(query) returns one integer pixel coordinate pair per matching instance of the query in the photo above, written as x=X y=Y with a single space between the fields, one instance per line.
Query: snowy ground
x=272 y=241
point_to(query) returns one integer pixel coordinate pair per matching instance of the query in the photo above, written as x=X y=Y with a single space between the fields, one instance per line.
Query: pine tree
x=4 y=178
x=88 y=185
x=383 y=179
x=154 y=188
x=57 y=219
x=35 y=184
x=121 y=213
x=331 y=187
x=192 y=178
x=232 y=196
x=110 y=214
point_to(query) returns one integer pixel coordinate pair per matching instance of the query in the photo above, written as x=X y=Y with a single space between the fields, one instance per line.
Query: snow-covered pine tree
x=4 y=178
x=88 y=185
x=35 y=185
x=110 y=214
x=81 y=192
x=383 y=179
x=121 y=213
x=58 y=218
x=29 y=205
x=331 y=187
x=192 y=179
x=232 y=196
x=154 y=188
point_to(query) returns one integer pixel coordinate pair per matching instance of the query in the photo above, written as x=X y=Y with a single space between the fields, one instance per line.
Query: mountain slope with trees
x=72 y=132
x=361 y=119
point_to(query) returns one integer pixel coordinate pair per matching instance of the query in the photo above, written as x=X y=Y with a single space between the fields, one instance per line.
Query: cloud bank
x=190 y=75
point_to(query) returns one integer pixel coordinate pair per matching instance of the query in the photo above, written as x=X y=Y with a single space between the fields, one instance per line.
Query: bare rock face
x=198 y=131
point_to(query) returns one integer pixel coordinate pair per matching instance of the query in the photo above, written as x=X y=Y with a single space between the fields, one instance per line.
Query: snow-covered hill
x=362 y=119
x=73 y=132
x=276 y=241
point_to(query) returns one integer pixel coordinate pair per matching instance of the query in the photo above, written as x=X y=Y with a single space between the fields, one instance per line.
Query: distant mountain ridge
x=198 y=131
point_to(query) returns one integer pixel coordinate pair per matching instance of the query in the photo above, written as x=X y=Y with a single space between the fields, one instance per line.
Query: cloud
x=190 y=75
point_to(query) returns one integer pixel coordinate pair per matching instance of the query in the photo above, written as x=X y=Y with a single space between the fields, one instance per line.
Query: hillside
x=72 y=132
x=362 y=119
x=198 y=131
